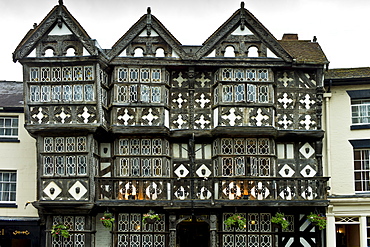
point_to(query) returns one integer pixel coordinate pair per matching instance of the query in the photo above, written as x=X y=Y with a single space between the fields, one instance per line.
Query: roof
x=11 y=94
x=57 y=14
x=305 y=51
x=348 y=73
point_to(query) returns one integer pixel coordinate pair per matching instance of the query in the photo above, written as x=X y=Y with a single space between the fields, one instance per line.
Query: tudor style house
x=347 y=124
x=194 y=133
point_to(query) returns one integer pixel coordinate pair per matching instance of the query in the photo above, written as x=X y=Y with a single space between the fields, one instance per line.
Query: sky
x=341 y=26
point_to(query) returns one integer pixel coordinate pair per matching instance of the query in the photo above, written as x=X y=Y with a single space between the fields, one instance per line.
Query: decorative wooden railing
x=212 y=189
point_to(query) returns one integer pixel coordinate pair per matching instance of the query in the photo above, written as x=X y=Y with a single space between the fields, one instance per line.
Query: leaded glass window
x=81 y=165
x=156 y=94
x=251 y=146
x=89 y=73
x=59 y=144
x=56 y=74
x=226 y=146
x=146 y=146
x=59 y=165
x=146 y=167
x=239 y=166
x=67 y=92
x=157 y=167
x=227 y=167
x=48 y=165
x=71 y=165
x=239 y=93
x=81 y=144
x=239 y=146
x=45 y=74
x=144 y=75
x=122 y=94
x=134 y=146
x=145 y=93
x=157 y=146
x=135 y=167
x=77 y=73
x=133 y=93
x=134 y=75
x=77 y=93
x=263 y=94
x=122 y=75
x=239 y=75
x=227 y=93
x=89 y=92
x=251 y=93
x=70 y=144
x=124 y=167
x=48 y=144
x=75 y=224
x=56 y=93
x=123 y=146
x=45 y=93
x=263 y=75
x=227 y=74
x=215 y=95
x=156 y=75
x=67 y=73
x=251 y=75
x=34 y=93
x=264 y=146
x=34 y=74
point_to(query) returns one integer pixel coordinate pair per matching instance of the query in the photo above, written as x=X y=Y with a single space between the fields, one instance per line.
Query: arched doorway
x=192 y=233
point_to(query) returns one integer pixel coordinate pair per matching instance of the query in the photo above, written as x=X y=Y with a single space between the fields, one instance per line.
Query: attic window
x=253 y=51
x=49 y=53
x=159 y=52
x=71 y=52
x=229 y=51
x=138 y=52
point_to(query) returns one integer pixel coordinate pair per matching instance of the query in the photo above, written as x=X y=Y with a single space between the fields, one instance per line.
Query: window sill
x=361 y=126
x=8 y=205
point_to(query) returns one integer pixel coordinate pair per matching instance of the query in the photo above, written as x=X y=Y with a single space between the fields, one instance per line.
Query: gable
x=148 y=35
x=246 y=37
x=58 y=32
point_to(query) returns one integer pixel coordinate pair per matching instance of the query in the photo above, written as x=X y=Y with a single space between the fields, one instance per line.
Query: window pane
x=8 y=186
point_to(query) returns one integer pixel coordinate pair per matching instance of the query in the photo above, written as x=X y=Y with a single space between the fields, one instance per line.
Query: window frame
x=11 y=190
x=361 y=115
x=11 y=127
x=361 y=170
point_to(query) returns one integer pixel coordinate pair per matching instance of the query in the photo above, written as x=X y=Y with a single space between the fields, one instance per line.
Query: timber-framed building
x=194 y=133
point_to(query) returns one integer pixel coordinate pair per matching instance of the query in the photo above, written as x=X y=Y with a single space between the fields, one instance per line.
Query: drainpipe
x=327 y=97
x=330 y=230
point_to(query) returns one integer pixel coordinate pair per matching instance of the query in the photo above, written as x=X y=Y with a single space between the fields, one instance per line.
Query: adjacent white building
x=19 y=225
x=347 y=152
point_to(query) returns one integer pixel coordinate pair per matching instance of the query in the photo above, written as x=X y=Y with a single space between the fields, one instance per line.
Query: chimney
x=290 y=36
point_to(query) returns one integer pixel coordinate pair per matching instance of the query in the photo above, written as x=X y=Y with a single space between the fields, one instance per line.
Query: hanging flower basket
x=60 y=230
x=280 y=221
x=107 y=220
x=236 y=221
x=151 y=217
x=317 y=220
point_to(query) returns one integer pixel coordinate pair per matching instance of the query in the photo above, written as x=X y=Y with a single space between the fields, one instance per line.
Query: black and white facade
x=195 y=133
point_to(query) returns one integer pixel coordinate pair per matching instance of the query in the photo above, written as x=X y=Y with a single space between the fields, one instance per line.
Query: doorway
x=347 y=235
x=192 y=234
x=15 y=242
